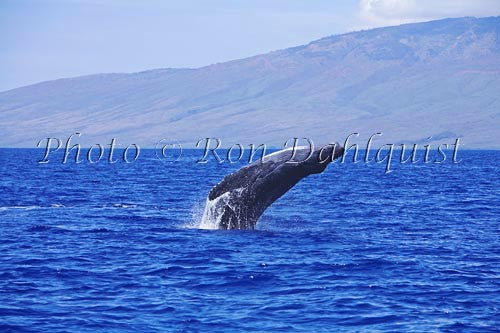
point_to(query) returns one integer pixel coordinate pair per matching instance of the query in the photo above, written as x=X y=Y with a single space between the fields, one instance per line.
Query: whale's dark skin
x=256 y=186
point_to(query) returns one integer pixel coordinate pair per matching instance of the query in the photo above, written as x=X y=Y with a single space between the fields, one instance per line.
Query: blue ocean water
x=116 y=248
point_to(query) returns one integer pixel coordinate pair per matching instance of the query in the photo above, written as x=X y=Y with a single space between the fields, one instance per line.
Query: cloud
x=391 y=12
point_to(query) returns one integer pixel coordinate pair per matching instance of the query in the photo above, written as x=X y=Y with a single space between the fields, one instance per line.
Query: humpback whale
x=241 y=198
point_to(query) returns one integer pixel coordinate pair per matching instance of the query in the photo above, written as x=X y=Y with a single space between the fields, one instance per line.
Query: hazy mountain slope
x=439 y=78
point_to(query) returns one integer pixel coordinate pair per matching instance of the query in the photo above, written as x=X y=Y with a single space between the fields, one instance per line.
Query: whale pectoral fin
x=240 y=179
x=229 y=220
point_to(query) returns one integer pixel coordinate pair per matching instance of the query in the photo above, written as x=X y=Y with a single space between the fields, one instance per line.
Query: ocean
x=118 y=248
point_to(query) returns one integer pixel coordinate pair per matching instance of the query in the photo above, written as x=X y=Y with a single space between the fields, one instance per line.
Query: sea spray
x=214 y=209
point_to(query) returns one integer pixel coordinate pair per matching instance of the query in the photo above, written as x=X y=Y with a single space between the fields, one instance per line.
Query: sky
x=45 y=40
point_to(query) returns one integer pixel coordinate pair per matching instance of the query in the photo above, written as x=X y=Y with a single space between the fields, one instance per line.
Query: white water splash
x=214 y=209
x=196 y=215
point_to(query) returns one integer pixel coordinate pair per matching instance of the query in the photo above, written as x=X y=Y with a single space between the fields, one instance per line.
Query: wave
x=30 y=207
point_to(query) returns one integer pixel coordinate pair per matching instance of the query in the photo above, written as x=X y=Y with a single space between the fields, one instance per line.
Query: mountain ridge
x=378 y=80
